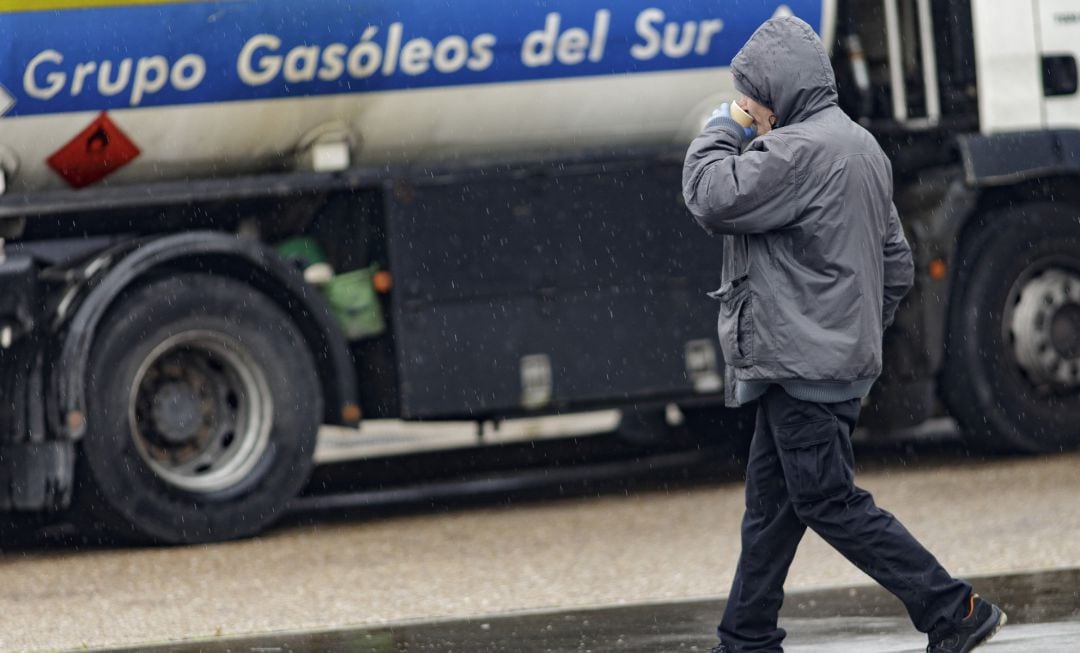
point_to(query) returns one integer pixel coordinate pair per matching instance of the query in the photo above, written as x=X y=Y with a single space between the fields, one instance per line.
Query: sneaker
x=983 y=621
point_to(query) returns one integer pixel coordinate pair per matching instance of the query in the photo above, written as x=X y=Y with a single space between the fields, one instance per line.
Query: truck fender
x=1012 y=158
x=226 y=254
x=992 y=164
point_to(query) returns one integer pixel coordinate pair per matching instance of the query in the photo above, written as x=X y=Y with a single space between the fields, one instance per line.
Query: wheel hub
x=1065 y=331
x=200 y=411
x=178 y=412
x=1045 y=329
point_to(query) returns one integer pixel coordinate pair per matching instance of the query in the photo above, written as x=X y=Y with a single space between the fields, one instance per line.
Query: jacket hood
x=784 y=67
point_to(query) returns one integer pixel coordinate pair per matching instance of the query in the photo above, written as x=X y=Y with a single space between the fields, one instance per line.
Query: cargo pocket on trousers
x=735 y=325
x=813 y=459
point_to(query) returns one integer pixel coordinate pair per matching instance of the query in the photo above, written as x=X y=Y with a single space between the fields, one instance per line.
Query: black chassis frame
x=523 y=260
x=496 y=262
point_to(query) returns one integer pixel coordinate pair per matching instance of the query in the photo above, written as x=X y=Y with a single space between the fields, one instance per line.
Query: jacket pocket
x=814 y=462
x=735 y=326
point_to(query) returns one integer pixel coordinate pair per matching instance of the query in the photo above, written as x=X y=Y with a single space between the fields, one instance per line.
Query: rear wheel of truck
x=203 y=407
x=1012 y=372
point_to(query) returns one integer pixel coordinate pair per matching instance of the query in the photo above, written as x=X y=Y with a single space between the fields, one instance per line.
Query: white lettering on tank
x=538 y=48
x=600 y=34
x=82 y=72
x=568 y=47
x=301 y=64
x=55 y=80
x=572 y=46
x=482 y=55
x=268 y=65
x=416 y=57
x=678 y=42
x=266 y=58
x=151 y=75
x=188 y=72
x=708 y=29
x=333 y=62
x=451 y=54
x=647 y=31
x=109 y=87
x=366 y=56
x=393 y=49
x=675 y=40
x=140 y=78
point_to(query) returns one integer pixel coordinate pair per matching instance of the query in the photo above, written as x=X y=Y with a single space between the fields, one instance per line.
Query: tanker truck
x=227 y=223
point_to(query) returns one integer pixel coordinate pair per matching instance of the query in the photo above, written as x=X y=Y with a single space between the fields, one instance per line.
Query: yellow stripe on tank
x=10 y=6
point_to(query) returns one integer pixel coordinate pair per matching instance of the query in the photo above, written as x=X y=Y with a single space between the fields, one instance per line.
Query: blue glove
x=724 y=111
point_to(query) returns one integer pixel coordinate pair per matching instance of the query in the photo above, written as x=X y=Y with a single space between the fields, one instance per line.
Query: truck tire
x=1012 y=367
x=203 y=407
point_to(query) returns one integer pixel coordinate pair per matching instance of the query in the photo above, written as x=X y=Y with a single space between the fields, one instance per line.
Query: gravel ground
x=1001 y=516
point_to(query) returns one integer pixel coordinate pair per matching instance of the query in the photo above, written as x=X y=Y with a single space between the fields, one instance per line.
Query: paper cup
x=740 y=116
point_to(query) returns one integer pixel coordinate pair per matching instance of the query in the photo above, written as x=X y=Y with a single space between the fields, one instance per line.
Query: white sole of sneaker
x=997 y=627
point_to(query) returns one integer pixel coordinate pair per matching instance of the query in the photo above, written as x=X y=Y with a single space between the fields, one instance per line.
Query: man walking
x=814 y=265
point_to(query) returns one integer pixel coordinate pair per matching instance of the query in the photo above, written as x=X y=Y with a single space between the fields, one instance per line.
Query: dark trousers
x=801 y=473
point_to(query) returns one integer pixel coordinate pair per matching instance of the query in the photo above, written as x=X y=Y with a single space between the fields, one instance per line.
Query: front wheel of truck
x=203 y=409
x=1012 y=369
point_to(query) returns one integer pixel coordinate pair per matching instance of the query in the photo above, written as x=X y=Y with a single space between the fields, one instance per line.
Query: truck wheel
x=1012 y=372
x=203 y=405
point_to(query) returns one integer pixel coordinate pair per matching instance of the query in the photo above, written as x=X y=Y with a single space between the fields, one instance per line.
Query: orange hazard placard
x=98 y=151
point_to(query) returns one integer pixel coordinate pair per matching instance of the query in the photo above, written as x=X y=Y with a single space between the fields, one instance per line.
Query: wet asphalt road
x=1044 y=611
x=644 y=530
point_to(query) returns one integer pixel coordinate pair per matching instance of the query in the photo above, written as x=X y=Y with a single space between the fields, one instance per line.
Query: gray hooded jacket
x=814 y=257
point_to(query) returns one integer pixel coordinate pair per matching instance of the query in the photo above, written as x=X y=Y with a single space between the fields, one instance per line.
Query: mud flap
x=36 y=475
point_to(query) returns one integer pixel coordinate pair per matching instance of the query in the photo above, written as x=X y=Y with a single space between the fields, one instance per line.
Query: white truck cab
x=1026 y=56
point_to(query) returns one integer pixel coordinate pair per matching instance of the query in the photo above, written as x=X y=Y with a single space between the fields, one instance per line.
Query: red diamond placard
x=98 y=151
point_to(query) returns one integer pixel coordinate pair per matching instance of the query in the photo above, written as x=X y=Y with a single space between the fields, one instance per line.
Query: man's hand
x=724 y=111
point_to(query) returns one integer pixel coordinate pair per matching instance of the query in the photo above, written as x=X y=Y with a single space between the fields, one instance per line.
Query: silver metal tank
x=202 y=89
